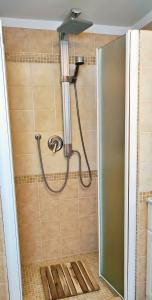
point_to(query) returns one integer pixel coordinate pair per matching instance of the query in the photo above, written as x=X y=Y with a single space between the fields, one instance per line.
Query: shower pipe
x=55 y=143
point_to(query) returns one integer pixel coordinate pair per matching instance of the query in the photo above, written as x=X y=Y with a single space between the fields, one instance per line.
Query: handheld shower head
x=79 y=60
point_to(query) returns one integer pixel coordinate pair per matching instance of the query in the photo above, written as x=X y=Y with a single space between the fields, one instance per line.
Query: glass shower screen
x=111 y=123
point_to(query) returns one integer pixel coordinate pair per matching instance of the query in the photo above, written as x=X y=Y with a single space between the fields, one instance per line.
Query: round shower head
x=79 y=60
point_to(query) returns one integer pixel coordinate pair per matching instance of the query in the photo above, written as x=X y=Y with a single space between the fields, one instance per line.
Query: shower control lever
x=55 y=143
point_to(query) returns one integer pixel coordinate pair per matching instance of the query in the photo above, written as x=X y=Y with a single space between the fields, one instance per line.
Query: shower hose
x=68 y=158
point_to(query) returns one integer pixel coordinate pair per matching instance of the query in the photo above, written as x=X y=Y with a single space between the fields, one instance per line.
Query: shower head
x=74 y=25
x=79 y=60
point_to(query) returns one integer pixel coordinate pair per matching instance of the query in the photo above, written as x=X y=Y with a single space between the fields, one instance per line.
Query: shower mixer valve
x=55 y=143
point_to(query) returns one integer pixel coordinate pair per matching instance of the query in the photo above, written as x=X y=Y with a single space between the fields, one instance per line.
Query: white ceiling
x=105 y=12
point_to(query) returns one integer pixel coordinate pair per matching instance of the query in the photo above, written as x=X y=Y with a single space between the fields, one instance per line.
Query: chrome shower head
x=74 y=25
x=79 y=60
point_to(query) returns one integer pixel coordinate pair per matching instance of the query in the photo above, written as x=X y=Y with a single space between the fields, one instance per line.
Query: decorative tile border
x=34 y=57
x=52 y=177
x=142 y=196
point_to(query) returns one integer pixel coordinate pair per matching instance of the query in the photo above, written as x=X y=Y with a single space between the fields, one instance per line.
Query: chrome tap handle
x=55 y=143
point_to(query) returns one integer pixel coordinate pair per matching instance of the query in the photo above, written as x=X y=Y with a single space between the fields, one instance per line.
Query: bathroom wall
x=144 y=188
x=3 y=273
x=51 y=226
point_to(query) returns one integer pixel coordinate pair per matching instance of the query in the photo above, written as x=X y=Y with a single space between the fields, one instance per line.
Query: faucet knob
x=55 y=143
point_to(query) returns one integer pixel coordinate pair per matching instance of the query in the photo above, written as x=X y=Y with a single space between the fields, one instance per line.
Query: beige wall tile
x=141 y=291
x=28 y=205
x=54 y=162
x=70 y=228
x=145 y=117
x=90 y=140
x=31 y=252
x=70 y=246
x=24 y=143
x=2 y=249
x=50 y=230
x=55 y=42
x=68 y=209
x=87 y=206
x=16 y=39
x=87 y=107
x=45 y=194
x=49 y=206
x=45 y=74
x=88 y=243
x=145 y=87
x=71 y=189
x=43 y=97
x=45 y=119
x=18 y=74
x=22 y=121
x=141 y=267
x=4 y=291
x=87 y=76
x=30 y=233
x=2 y=271
x=39 y=40
x=58 y=108
x=145 y=178
x=142 y=243
x=146 y=48
x=89 y=192
x=146 y=147
x=88 y=225
x=143 y=215
x=84 y=44
x=26 y=164
x=20 y=97
x=51 y=249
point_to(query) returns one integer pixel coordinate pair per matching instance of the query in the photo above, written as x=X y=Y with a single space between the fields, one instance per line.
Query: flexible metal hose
x=83 y=145
x=43 y=172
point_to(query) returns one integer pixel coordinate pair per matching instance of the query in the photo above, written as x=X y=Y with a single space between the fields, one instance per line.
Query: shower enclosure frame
x=7 y=185
x=130 y=176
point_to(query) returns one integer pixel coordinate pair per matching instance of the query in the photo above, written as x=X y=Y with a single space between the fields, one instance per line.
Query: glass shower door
x=111 y=89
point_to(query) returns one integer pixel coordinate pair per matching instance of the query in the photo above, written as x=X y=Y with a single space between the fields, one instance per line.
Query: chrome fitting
x=38 y=136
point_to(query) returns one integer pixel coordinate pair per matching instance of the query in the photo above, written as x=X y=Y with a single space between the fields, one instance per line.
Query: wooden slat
x=57 y=282
x=45 y=283
x=69 y=280
x=74 y=279
x=93 y=280
x=53 y=290
x=63 y=281
x=79 y=277
x=66 y=280
x=86 y=277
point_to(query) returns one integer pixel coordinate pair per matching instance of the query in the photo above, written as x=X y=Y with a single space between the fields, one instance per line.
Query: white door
x=8 y=189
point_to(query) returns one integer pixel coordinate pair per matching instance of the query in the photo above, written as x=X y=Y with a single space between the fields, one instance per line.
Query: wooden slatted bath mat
x=67 y=280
